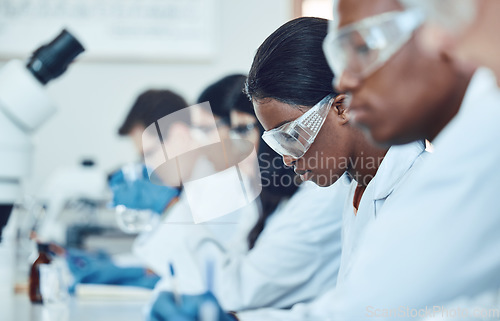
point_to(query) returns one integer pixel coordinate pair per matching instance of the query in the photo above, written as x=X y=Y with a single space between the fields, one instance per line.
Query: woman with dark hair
x=307 y=123
x=283 y=87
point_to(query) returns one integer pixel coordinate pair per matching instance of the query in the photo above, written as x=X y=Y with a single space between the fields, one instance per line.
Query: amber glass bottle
x=44 y=257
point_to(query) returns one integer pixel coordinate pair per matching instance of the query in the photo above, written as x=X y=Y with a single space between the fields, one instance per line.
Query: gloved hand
x=140 y=193
x=202 y=307
x=98 y=268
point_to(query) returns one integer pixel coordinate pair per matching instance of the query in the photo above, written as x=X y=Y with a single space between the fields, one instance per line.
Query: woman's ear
x=340 y=105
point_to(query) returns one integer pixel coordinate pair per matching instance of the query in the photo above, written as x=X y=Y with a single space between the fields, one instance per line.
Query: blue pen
x=209 y=275
x=175 y=289
x=208 y=310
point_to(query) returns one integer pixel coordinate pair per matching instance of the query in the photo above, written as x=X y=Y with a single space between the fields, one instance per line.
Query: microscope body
x=24 y=107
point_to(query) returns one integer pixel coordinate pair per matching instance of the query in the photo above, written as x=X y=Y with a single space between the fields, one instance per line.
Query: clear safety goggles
x=363 y=47
x=294 y=138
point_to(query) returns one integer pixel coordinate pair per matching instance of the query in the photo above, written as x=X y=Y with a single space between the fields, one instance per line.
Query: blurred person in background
x=289 y=252
x=140 y=193
x=156 y=247
x=137 y=194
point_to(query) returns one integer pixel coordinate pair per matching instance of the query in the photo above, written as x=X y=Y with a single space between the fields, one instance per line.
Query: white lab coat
x=296 y=257
x=397 y=166
x=485 y=306
x=177 y=227
x=439 y=239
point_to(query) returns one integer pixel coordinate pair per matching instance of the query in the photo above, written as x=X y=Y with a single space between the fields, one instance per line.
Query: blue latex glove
x=166 y=309
x=140 y=194
x=97 y=268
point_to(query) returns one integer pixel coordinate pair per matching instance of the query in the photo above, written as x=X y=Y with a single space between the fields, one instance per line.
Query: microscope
x=24 y=107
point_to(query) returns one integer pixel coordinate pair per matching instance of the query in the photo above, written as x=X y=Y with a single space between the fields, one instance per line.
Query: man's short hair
x=151 y=106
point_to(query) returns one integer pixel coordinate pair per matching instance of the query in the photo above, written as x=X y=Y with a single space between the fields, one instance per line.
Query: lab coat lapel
x=397 y=162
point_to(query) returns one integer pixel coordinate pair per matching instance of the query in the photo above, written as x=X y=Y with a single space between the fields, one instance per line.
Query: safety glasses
x=242 y=130
x=294 y=138
x=363 y=47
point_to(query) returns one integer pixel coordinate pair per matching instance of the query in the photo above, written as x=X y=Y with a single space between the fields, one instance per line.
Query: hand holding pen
x=204 y=307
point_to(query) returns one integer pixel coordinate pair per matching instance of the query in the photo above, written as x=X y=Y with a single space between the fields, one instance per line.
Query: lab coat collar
x=397 y=161
x=482 y=84
x=482 y=88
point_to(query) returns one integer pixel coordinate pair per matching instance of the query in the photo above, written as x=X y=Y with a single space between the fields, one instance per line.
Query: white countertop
x=19 y=308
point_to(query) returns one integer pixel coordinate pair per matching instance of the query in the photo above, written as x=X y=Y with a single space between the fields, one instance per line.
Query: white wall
x=93 y=98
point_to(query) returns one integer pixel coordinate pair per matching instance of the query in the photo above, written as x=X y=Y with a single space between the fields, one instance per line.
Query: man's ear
x=444 y=43
x=339 y=106
x=434 y=39
x=439 y=42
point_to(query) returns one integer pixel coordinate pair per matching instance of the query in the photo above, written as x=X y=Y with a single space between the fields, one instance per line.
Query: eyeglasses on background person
x=242 y=131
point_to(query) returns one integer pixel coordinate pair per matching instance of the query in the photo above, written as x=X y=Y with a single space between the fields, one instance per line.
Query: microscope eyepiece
x=51 y=60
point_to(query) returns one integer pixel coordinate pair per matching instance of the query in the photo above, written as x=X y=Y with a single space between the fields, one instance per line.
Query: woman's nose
x=289 y=161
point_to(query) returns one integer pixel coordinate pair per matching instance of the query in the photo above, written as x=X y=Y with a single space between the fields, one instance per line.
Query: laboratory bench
x=19 y=308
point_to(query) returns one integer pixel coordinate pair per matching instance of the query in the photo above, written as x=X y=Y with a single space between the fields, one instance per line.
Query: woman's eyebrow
x=291 y=120
x=282 y=123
